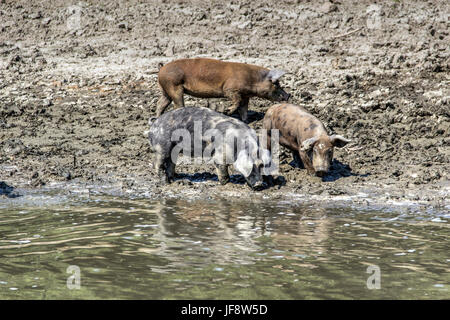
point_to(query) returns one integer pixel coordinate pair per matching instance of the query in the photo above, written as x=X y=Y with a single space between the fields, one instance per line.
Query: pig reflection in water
x=224 y=232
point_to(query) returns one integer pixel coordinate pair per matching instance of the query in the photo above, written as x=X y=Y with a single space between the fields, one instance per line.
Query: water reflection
x=223 y=231
x=230 y=249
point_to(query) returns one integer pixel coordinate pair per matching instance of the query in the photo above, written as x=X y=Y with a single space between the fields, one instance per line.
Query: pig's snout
x=279 y=95
x=321 y=172
x=258 y=185
x=283 y=96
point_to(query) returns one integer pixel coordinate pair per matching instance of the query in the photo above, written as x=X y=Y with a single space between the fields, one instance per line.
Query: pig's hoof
x=163 y=181
x=230 y=112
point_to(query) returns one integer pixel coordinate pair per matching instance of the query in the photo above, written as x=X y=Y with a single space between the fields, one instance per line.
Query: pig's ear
x=274 y=74
x=243 y=163
x=309 y=143
x=338 y=141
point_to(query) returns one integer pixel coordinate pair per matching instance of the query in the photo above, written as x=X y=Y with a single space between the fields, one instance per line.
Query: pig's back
x=293 y=120
x=200 y=67
x=206 y=78
x=185 y=118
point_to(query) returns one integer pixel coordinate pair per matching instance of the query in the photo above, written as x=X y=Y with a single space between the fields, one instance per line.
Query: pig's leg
x=243 y=108
x=306 y=162
x=175 y=94
x=163 y=103
x=170 y=170
x=170 y=167
x=160 y=170
x=236 y=100
x=222 y=173
x=178 y=99
x=297 y=159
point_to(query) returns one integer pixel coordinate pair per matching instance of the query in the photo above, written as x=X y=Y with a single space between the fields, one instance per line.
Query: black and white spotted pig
x=218 y=138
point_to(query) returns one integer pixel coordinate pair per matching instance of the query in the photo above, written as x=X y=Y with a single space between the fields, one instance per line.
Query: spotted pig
x=212 y=136
x=305 y=135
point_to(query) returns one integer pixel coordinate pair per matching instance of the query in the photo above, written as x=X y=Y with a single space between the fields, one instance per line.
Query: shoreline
x=362 y=197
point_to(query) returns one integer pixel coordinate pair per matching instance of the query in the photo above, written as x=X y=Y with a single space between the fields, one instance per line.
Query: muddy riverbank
x=78 y=84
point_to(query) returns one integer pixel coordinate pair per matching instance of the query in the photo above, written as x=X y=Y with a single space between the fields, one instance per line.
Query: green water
x=178 y=249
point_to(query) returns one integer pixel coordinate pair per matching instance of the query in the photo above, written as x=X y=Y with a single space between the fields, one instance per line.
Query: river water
x=122 y=248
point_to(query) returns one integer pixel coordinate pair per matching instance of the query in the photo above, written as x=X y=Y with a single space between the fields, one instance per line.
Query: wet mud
x=78 y=83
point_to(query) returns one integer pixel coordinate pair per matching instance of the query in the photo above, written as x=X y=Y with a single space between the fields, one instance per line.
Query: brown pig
x=304 y=135
x=210 y=78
